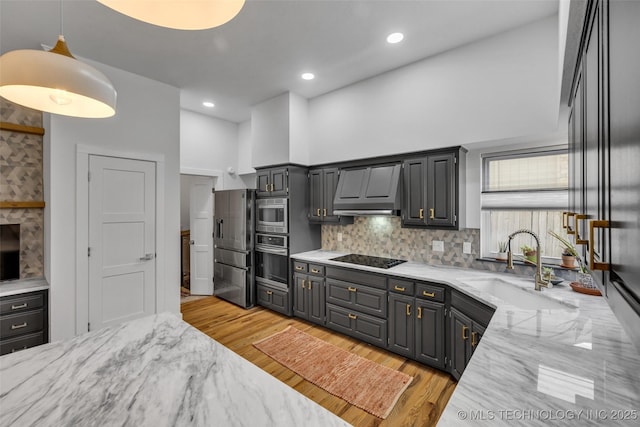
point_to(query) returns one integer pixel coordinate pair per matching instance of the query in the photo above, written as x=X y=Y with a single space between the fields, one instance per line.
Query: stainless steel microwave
x=272 y=215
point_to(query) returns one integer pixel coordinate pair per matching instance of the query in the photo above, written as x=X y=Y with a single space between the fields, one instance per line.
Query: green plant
x=530 y=254
x=568 y=248
x=502 y=246
x=547 y=272
x=526 y=249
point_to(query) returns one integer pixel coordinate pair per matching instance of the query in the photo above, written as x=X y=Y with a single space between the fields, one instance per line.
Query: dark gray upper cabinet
x=272 y=182
x=322 y=189
x=432 y=190
x=604 y=152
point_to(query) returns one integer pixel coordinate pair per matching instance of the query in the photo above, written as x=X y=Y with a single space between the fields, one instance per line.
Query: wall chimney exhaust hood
x=372 y=190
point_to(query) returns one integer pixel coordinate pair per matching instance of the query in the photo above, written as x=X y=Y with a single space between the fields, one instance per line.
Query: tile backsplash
x=384 y=236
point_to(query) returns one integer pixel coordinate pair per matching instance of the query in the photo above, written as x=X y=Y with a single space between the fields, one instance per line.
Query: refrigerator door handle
x=220 y=229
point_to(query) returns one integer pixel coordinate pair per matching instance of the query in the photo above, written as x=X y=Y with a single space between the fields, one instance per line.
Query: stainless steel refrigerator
x=233 y=276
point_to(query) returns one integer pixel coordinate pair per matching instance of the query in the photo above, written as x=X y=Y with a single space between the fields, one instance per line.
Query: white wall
x=147 y=121
x=270 y=131
x=298 y=129
x=245 y=164
x=501 y=87
x=209 y=146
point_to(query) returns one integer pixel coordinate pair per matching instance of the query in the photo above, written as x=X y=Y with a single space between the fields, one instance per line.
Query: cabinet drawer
x=274 y=299
x=21 y=323
x=22 y=302
x=21 y=343
x=474 y=309
x=357 y=297
x=360 y=277
x=300 y=267
x=358 y=325
x=316 y=269
x=404 y=287
x=430 y=291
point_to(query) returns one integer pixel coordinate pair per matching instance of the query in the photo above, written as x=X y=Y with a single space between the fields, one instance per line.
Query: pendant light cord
x=61 y=18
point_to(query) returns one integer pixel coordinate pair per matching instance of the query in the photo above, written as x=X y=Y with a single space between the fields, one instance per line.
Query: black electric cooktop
x=369 y=261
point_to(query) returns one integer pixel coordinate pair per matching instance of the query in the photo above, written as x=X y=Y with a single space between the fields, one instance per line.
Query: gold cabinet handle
x=352 y=289
x=570 y=230
x=18 y=307
x=309 y=285
x=399 y=288
x=428 y=294
x=302 y=284
x=324 y=212
x=579 y=240
x=408 y=309
x=318 y=212
x=269 y=292
x=421 y=214
x=593 y=265
x=564 y=220
x=465 y=336
x=432 y=213
x=352 y=316
x=314 y=270
x=419 y=312
x=24 y=325
x=474 y=339
x=299 y=267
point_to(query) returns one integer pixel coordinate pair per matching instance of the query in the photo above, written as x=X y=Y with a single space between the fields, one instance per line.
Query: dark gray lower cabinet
x=416 y=329
x=24 y=321
x=273 y=298
x=368 y=328
x=430 y=333
x=468 y=320
x=309 y=298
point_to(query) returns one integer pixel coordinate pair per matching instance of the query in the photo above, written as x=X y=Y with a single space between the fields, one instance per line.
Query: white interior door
x=201 y=225
x=122 y=221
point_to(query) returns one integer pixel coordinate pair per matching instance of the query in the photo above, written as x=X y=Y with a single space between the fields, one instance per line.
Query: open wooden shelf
x=23 y=205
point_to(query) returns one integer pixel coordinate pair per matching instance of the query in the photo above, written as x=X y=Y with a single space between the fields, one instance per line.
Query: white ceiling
x=262 y=52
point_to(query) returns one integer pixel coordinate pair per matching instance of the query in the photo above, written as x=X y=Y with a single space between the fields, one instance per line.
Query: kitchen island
x=154 y=371
x=553 y=357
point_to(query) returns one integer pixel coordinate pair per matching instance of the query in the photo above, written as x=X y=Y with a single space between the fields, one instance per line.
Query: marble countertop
x=22 y=286
x=547 y=358
x=154 y=371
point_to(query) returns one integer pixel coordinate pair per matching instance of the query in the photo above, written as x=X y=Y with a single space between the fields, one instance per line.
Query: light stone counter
x=568 y=363
x=22 y=286
x=155 y=371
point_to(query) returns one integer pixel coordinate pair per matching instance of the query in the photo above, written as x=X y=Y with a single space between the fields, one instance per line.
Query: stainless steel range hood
x=372 y=190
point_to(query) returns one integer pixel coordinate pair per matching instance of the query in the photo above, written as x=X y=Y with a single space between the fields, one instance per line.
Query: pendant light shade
x=179 y=14
x=56 y=82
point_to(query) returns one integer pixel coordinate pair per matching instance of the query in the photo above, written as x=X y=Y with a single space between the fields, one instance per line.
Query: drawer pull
x=309 y=285
x=299 y=267
x=352 y=316
x=314 y=270
x=318 y=212
x=24 y=325
x=419 y=312
x=399 y=288
x=421 y=214
x=464 y=335
x=432 y=213
x=324 y=212
x=269 y=293
x=13 y=350
x=408 y=309
x=18 y=307
x=303 y=284
x=352 y=289
x=428 y=294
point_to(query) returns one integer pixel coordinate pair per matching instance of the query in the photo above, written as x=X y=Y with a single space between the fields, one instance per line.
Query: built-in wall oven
x=271 y=215
x=272 y=260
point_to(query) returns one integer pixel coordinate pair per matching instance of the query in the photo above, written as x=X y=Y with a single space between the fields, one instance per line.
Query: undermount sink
x=517 y=296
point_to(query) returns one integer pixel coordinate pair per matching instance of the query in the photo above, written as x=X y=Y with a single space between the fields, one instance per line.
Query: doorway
x=196 y=227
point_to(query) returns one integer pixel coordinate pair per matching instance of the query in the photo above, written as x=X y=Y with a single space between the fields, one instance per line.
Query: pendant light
x=55 y=82
x=179 y=14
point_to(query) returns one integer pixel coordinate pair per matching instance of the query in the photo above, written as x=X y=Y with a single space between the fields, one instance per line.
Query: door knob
x=192 y=242
x=147 y=257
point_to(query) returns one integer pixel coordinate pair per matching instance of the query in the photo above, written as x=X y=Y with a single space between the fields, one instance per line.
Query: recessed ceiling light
x=308 y=76
x=395 y=38
x=208 y=104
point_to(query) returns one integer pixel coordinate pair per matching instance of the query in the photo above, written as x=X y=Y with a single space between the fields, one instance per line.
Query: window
x=524 y=190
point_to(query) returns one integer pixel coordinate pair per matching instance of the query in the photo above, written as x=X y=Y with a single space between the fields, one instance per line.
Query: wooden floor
x=236 y=328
